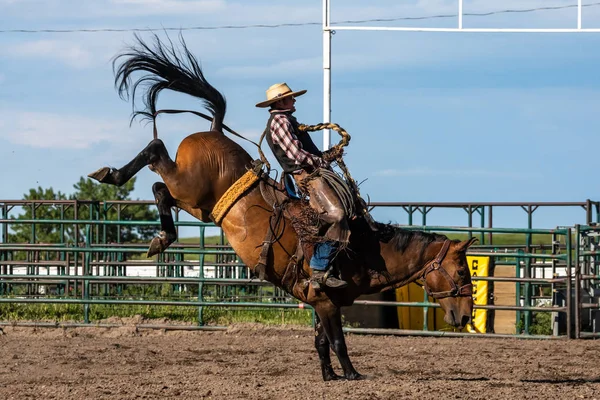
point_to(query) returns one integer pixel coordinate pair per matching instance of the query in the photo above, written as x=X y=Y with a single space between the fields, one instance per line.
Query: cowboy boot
x=319 y=278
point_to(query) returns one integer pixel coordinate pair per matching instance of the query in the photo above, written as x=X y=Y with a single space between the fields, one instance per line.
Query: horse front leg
x=331 y=320
x=168 y=233
x=322 y=346
x=152 y=155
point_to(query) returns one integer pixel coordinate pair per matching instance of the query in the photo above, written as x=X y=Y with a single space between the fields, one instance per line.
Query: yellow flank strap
x=232 y=194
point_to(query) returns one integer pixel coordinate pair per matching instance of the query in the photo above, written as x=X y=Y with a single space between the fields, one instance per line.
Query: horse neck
x=406 y=265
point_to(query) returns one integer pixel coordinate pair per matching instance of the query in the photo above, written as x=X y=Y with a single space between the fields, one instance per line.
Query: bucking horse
x=213 y=179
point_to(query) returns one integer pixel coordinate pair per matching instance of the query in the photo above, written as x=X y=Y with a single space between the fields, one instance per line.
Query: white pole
x=326 y=73
x=578 y=14
x=467 y=30
x=460 y=14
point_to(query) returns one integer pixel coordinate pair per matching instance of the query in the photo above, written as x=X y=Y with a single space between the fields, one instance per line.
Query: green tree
x=90 y=194
x=41 y=233
x=87 y=189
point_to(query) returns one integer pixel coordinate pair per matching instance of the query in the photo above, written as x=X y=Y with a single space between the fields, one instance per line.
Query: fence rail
x=83 y=268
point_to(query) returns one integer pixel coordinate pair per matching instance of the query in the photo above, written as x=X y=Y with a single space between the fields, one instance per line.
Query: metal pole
x=466 y=30
x=569 y=284
x=482 y=223
x=470 y=219
x=588 y=212
x=326 y=73
x=578 y=14
x=490 y=224
x=87 y=270
x=577 y=282
x=460 y=14
x=518 y=289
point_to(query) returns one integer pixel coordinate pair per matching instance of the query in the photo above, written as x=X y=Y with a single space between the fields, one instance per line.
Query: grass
x=181 y=314
x=221 y=315
x=541 y=324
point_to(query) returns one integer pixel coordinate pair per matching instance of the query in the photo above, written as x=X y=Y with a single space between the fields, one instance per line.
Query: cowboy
x=299 y=157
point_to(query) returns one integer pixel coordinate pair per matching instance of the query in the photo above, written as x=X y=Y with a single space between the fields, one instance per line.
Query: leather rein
x=436 y=266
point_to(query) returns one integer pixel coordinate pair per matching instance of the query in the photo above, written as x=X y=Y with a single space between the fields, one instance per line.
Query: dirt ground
x=256 y=362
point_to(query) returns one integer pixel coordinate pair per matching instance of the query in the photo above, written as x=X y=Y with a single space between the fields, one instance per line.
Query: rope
x=342 y=190
x=328 y=125
x=336 y=153
x=232 y=194
x=336 y=149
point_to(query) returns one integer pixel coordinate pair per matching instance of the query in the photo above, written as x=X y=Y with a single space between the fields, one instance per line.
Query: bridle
x=436 y=266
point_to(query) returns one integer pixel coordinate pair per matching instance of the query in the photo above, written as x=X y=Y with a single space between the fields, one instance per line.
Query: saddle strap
x=268 y=193
x=261 y=267
x=293 y=269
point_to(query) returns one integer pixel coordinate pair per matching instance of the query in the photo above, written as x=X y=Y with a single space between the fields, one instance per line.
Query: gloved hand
x=333 y=154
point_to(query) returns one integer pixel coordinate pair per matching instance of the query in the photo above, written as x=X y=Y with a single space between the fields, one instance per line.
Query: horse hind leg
x=154 y=154
x=168 y=233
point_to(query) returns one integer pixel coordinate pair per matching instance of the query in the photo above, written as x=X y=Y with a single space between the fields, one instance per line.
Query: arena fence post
x=87 y=272
x=578 y=243
x=201 y=277
x=569 y=285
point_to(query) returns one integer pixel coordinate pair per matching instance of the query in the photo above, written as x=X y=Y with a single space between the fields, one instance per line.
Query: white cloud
x=266 y=11
x=57 y=131
x=70 y=53
x=457 y=173
x=287 y=67
x=86 y=10
x=251 y=134
x=423 y=8
x=164 y=7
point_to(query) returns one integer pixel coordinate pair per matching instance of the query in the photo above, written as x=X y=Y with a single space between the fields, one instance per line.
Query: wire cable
x=297 y=24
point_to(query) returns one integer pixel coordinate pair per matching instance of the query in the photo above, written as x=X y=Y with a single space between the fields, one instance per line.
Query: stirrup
x=326 y=280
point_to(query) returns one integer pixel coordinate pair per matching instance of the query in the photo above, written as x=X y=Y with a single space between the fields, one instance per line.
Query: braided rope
x=232 y=195
x=335 y=154
x=328 y=125
x=336 y=150
x=342 y=190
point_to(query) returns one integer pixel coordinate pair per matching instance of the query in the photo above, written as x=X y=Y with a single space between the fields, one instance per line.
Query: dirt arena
x=255 y=362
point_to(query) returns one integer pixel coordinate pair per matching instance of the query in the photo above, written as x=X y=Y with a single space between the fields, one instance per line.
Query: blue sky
x=434 y=117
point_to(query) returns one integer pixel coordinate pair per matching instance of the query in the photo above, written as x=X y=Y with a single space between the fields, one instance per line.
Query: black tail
x=167 y=68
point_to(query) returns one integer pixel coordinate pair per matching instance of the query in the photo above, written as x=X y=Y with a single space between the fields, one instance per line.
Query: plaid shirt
x=283 y=135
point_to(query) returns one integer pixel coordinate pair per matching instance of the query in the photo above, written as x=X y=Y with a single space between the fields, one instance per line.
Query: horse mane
x=401 y=237
x=166 y=67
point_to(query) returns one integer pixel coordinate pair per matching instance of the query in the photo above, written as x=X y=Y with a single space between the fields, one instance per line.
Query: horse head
x=447 y=279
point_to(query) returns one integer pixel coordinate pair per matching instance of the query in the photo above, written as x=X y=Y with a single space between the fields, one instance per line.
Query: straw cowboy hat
x=277 y=92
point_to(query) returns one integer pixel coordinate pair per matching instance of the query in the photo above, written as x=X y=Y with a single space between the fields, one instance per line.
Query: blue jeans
x=323 y=255
x=290 y=187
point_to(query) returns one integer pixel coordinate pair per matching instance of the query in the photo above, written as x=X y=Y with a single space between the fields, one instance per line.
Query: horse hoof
x=355 y=377
x=101 y=174
x=332 y=377
x=155 y=248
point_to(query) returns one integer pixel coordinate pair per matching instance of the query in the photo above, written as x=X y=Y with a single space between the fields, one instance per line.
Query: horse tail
x=166 y=67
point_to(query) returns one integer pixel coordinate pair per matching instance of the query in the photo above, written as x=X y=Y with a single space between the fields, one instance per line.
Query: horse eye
x=461 y=272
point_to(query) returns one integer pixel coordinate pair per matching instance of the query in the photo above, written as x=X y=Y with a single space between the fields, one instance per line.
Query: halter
x=436 y=265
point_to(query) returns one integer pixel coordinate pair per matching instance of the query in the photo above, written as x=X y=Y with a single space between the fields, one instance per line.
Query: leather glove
x=333 y=154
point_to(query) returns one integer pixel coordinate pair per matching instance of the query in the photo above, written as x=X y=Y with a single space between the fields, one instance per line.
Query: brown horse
x=209 y=163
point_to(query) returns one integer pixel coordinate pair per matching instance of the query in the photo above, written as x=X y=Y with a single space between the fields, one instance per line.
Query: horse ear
x=465 y=244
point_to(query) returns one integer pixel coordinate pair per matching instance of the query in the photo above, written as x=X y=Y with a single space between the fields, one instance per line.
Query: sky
x=434 y=117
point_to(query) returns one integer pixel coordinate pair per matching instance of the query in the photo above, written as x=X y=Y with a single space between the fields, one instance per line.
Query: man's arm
x=281 y=133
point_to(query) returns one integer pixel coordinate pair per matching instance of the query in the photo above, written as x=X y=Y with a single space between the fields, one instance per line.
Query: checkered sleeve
x=283 y=136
